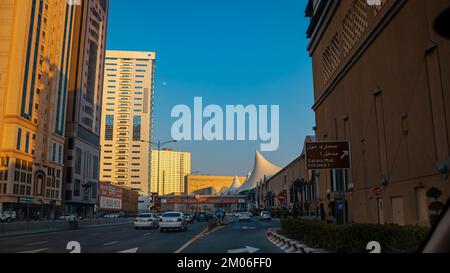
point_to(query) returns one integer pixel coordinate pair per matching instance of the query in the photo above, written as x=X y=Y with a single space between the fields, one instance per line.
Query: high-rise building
x=35 y=53
x=169 y=169
x=127 y=119
x=82 y=148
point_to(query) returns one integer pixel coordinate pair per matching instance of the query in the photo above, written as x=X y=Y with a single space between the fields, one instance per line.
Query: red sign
x=110 y=196
x=281 y=197
x=377 y=191
x=110 y=190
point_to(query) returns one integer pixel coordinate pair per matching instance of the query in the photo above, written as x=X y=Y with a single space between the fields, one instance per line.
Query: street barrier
x=23 y=228
x=289 y=245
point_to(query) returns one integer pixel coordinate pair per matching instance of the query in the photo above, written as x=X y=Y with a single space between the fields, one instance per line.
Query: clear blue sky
x=228 y=52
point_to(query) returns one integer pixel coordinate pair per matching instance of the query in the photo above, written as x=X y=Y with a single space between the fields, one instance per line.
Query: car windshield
x=145 y=216
x=171 y=215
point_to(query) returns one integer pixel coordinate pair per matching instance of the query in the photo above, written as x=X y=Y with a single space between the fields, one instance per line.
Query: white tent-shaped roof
x=234 y=187
x=261 y=169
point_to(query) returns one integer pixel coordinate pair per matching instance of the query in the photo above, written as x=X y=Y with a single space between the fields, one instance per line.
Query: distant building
x=381 y=82
x=215 y=184
x=298 y=186
x=35 y=52
x=169 y=169
x=127 y=119
x=84 y=104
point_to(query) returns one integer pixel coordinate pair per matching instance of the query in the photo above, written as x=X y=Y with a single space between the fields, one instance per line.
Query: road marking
x=133 y=250
x=112 y=243
x=38 y=243
x=249 y=228
x=146 y=234
x=198 y=236
x=33 y=251
x=247 y=249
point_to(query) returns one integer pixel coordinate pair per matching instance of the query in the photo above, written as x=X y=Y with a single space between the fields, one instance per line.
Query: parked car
x=202 y=217
x=189 y=218
x=265 y=216
x=173 y=220
x=245 y=216
x=146 y=220
x=67 y=217
x=111 y=216
x=7 y=216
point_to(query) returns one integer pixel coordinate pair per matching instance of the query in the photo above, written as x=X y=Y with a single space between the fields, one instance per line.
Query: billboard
x=110 y=197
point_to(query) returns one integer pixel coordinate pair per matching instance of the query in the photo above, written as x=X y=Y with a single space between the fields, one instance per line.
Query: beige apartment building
x=381 y=82
x=169 y=169
x=35 y=48
x=127 y=119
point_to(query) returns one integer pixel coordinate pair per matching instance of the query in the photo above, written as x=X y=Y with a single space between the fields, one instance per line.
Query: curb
x=289 y=245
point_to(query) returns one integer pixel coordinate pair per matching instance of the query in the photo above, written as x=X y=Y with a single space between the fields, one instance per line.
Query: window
x=27 y=142
x=54 y=152
x=339 y=180
x=137 y=128
x=109 y=127
x=78 y=155
x=76 y=188
x=19 y=137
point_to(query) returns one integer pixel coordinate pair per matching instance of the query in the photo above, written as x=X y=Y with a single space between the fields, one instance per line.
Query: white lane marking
x=146 y=234
x=112 y=243
x=200 y=235
x=38 y=243
x=133 y=250
x=247 y=249
x=249 y=228
x=33 y=251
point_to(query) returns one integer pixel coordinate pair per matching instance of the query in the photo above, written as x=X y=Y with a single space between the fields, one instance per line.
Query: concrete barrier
x=23 y=228
x=289 y=245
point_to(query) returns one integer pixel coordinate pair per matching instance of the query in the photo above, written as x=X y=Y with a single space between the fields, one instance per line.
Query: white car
x=245 y=216
x=7 y=216
x=146 y=220
x=111 y=216
x=265 y=216
x=173 y=220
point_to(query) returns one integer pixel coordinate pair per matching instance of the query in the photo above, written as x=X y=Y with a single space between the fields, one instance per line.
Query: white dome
x=261 y=169
x=234 y=187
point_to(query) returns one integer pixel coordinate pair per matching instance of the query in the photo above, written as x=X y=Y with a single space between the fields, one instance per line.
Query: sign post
x=332 y=155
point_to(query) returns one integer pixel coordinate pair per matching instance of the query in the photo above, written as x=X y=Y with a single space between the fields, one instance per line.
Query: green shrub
x=354 y=238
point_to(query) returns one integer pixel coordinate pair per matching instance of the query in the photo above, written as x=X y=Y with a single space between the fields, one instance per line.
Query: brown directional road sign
x=328 y=155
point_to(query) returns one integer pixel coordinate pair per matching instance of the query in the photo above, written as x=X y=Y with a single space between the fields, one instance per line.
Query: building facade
x=169 y=169
x=127 y=119
x=210 y=183
x=380 y=82
x=82 y=148
x=34 y=68
x=298 y=186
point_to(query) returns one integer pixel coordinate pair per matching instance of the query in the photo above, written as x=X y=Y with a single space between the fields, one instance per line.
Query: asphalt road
x=236 y=237
x=110 y=239
x=124 y=238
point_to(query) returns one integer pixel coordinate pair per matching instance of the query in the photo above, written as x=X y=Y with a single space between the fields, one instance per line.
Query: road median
x=26 y=228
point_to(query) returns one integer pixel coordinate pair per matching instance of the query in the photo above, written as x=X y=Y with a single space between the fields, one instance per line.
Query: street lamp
x=159 y=144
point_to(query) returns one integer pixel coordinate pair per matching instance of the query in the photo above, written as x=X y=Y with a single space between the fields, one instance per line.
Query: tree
x=436 y=206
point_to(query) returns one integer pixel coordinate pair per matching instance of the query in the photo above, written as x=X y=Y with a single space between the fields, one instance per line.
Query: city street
x=124 y=238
